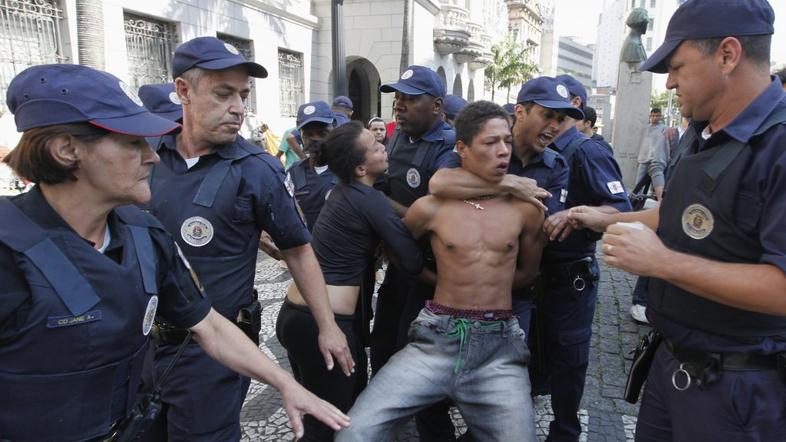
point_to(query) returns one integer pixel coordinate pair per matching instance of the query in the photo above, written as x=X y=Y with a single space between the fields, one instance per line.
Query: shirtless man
x=466 y=344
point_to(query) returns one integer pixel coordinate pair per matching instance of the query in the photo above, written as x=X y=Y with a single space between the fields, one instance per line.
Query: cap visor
x=315 y=119
x=143 y=124
x=570 y=111
x=656 y=62
x=398 y=87
x=254 y=69
x=176 y=116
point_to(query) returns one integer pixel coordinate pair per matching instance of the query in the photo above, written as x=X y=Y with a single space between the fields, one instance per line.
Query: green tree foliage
x=509 y=67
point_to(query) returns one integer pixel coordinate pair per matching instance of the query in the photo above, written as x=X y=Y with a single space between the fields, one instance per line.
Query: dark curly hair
x=469 y=122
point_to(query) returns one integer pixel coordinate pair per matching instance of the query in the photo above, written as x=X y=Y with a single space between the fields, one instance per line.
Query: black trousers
x=297 y=332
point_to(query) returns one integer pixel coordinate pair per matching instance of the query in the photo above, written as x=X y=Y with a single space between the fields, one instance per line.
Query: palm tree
x=509 y=66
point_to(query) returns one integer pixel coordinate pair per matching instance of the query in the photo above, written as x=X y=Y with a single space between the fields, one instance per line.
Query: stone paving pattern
x=605 y=416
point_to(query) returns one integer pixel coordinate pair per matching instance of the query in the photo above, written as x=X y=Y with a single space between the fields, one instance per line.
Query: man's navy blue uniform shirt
x=760 y=209
x=221 y=240
x=550 y=171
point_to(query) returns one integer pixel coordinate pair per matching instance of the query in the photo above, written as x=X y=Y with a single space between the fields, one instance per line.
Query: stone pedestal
x=630 y=119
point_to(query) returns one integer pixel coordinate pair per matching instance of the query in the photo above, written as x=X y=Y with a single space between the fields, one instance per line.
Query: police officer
x=719 y=302
x=310 y=179
x=343 y=108
x=162 y=100
x=84 y=273
x=569 y=270
x=215 y=192
x=421 y=144
x=453 y=105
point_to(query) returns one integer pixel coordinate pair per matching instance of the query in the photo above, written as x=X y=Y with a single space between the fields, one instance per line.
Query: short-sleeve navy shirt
x=221 y=239
x=550 y=171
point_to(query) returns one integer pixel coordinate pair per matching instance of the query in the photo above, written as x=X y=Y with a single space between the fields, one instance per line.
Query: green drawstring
x=461 y=328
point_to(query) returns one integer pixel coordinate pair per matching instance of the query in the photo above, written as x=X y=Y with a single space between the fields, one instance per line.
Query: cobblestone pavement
x=605 y=416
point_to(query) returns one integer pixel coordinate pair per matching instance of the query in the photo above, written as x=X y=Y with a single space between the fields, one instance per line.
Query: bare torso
x=477 y=250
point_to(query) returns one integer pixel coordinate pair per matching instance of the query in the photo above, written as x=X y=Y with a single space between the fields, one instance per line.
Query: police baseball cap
x=574 y=87
x=162 y=100
x=701 y=19
x=52 y=94
x=417 y=80
x=549 y=93
x=453 y=105
x=212 y=54
x=316 y=111
x=343 y=101
x=510 y=108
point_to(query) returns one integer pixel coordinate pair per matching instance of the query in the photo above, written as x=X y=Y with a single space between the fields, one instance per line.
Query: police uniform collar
x=562 y=141
x=355 y=184
x=35 y=206
x=434 y=134
x=744 y=125
x=232 y=151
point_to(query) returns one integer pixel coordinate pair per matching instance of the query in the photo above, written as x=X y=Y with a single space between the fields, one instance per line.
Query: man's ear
x=729 y=54
x=360 y=171
x=183 y=89
x=437 y=109
x=461 y=148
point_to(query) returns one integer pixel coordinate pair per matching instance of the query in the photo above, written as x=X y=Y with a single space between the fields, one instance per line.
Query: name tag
x=563 y=195
x=615 y=187
x=68 y=321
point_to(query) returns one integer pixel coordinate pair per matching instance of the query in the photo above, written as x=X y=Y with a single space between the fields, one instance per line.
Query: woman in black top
x=353 y=221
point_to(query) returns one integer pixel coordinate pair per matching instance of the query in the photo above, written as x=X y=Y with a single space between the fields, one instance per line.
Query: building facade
x=525 y=22
x=575 y=59
x=135 y=41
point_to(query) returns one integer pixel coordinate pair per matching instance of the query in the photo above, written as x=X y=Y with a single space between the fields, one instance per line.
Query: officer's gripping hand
x=526 y=189
x=333 y=343
x=267 y=245
x=557 y=226
x=635 y=248
x=585 y=217
x=299 y=402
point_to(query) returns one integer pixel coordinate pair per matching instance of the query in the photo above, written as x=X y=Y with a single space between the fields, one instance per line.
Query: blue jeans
x=480 y=365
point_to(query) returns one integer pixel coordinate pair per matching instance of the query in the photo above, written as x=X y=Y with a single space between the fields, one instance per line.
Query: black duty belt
x=705 y=368
x=578 y=274
x=725 y=361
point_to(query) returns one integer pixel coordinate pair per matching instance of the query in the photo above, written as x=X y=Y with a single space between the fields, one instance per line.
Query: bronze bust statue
x=632 y=49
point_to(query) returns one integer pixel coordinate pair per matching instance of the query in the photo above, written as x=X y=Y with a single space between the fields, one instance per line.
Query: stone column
x=90 y=32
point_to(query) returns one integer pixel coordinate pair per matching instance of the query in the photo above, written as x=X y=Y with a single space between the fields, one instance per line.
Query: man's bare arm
x=531 y=244
x=420 y=215
x=585 y=217
x=462 y=184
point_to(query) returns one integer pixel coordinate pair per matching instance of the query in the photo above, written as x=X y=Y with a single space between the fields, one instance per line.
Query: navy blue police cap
x=453 y=105
x=574 y=87
x=510 y=108
x=702 y=19
x=52 y=94
x=417 y=80
x=162 y=100
x=212 y=54
x=549 y=93
x=343 y=101
x=315 y=111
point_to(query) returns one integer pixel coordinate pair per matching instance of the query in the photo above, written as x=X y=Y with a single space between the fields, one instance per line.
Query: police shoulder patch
x=615 y=187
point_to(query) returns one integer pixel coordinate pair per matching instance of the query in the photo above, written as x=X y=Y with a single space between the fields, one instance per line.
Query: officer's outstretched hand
x=299 y=402
x=333 y=343
x=585 y=217
x=635 y=248
x=557 y=226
